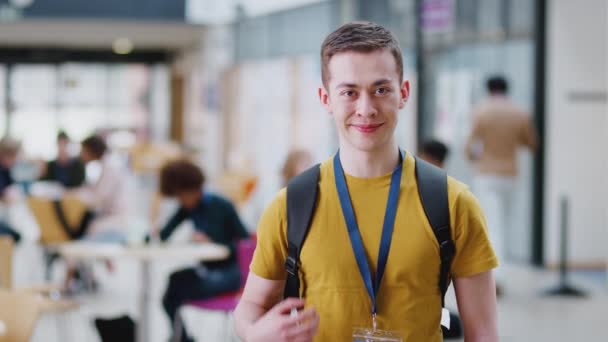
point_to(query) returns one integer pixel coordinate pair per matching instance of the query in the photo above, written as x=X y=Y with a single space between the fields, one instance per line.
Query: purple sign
x=437 y=15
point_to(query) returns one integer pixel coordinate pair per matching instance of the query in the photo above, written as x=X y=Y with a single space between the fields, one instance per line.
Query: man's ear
x=324 y=98
x=404 y=93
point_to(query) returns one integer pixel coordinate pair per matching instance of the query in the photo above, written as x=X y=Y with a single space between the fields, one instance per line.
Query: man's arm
x=529 y=137
x=236 y=225
x=262 y=316
x=471 y=146
x=476 y=296
x=173 y=222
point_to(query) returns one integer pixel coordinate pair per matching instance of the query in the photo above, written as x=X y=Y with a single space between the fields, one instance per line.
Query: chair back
x=6 y=262
x=51 y=229
x=19 y=313
x=244 y=254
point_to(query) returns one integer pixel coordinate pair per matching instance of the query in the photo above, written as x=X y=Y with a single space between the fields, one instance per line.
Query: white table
x=145 y=254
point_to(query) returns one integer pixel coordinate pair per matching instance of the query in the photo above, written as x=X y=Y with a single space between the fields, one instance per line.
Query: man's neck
x=369 y=164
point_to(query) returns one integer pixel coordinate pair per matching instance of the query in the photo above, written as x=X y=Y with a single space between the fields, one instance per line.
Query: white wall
x=577 y=128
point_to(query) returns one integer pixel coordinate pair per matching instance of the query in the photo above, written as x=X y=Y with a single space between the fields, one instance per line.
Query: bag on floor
x=119 y=329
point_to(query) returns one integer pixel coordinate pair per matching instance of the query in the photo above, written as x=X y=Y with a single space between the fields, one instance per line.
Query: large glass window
x=80 y=98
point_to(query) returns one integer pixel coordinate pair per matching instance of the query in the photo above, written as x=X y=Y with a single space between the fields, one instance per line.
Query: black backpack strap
x=433 y=189
x=302 y=193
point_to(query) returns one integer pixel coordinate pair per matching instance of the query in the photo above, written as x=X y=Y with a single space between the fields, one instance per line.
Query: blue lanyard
x=353 y=227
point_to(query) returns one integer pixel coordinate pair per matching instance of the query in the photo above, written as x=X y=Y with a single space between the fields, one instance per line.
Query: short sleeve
x=474 y=252
x=271 y=250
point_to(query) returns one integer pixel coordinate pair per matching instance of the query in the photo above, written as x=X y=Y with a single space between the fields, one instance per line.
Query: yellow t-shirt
x=409 y=299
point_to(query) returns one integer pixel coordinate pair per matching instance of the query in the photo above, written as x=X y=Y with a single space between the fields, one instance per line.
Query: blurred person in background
x=108 y=214
x=9 y=151
x=107 y=197
x=499 y=129
x=434 y=152
x=297 y=161
x=215 y=220
x=66 y=170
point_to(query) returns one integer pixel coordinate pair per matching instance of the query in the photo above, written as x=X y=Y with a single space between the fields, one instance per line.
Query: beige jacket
x=499 y=129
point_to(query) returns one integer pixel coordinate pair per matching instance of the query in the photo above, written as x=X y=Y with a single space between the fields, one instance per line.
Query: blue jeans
x=198 y=283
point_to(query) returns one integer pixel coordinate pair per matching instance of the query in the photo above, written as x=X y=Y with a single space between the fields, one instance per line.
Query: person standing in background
x=296 y=162
x=434 y=152
x=499 y=129
x=66 y=169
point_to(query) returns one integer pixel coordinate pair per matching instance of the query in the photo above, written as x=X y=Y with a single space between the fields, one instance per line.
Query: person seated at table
x=108 y=202
x=215 y=220
x=107 y=196
x=9 y=150
x=66 y=169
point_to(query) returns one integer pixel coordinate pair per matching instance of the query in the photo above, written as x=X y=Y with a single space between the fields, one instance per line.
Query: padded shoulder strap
x=433 y=190
x=302 y=193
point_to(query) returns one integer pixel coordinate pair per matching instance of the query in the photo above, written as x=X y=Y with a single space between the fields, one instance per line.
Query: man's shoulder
x=216 y=199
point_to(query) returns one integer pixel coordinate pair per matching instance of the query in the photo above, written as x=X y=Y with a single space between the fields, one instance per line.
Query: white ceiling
x=98 y=34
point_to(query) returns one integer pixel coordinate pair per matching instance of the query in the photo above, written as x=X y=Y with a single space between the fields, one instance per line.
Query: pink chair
x=226 y=303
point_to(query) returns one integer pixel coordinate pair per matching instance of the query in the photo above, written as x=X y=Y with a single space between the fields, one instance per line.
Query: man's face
x=62 y=146
x=8 y=160
x=189 y=199
x=364 y=95
x=86 y=155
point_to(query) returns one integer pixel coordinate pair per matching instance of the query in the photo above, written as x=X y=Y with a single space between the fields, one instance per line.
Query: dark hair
x=95 y=145
x=360 y=36
x=497 y=84
x=180 y=175
x=62 y=135
x=435 y=149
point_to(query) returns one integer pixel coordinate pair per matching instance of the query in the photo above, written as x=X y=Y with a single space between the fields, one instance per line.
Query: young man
x=215 y=219
x=66 y=170
x=363 y=89
x=499 y=129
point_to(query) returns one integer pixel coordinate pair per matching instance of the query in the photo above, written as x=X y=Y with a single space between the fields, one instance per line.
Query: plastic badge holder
x=370 y=335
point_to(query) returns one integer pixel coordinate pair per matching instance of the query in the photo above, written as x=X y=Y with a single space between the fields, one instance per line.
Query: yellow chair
x=6 y=262
x=19 y=312
x=52 y=232
x=150 y=157
x=51 y=229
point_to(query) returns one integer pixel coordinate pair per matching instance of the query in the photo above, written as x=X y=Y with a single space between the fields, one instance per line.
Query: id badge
x=375 y=335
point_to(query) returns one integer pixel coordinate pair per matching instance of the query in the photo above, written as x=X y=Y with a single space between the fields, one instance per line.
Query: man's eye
x=348 y=93
x=382 y=91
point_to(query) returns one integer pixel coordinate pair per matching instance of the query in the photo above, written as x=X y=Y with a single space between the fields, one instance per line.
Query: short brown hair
x=291 y=163
x=180 y=175
x=359 y=36
x=9 y=146
x=95 y=145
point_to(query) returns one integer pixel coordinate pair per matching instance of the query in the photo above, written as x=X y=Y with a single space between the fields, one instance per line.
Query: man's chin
x=367 y=145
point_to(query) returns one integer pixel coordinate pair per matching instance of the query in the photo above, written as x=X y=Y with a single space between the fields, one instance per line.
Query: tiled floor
x=524 y=313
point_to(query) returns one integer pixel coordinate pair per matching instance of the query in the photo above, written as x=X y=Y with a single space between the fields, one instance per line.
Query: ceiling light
x=122 y=46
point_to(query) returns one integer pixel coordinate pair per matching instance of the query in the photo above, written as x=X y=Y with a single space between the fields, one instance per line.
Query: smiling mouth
x=369 y=128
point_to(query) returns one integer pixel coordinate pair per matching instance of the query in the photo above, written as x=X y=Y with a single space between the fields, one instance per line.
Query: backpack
x=302 y=193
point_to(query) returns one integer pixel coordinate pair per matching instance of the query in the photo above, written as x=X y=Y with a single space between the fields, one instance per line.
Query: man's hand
x=200 y=237
x=278 y=325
